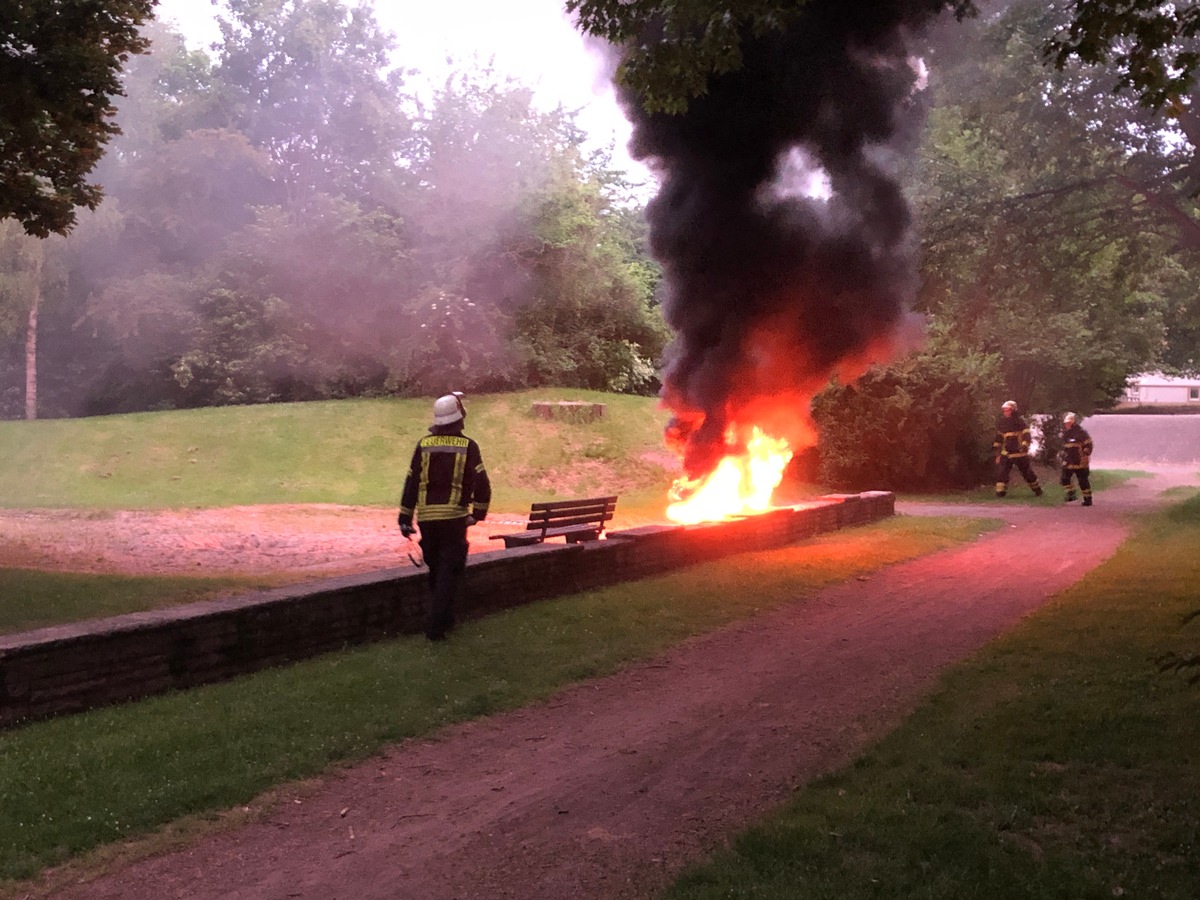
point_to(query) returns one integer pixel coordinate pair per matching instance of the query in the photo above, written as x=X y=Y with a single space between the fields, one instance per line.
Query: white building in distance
x=1157 y=389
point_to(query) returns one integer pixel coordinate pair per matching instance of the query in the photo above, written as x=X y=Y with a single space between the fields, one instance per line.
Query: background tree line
x=286 y=220
x=1059 y=230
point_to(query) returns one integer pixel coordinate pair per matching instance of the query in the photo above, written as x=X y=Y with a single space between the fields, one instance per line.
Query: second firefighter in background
x=1076 y=460
x=1011 y=448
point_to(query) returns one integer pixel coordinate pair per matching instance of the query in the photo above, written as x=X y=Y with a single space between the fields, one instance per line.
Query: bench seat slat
x=528 y=538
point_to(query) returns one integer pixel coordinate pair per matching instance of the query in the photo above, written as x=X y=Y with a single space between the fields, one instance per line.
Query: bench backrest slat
x=590 y=504
x=568 y=513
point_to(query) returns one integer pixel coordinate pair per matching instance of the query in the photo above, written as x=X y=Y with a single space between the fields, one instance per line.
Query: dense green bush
x=923 y=422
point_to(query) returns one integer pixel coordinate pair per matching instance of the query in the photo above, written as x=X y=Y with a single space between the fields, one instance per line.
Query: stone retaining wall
x=70 y=668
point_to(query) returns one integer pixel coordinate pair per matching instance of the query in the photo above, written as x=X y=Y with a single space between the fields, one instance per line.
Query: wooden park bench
x=575 y=520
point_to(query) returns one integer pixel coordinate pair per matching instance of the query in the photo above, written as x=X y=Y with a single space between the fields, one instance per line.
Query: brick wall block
x=69 y=668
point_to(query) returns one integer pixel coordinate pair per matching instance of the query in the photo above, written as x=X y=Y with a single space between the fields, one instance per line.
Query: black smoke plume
x=770 y=290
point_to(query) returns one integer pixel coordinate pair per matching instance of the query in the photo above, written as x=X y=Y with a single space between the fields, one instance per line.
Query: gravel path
x=302 y=541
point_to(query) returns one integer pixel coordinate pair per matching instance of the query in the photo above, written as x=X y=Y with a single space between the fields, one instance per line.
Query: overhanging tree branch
x=60 y=62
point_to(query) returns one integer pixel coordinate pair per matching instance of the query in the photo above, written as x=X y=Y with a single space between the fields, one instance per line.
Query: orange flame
x=741 y=484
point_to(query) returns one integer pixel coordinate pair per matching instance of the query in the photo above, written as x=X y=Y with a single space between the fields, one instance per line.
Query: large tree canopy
x=1152 y=44
x=669 y=50
x=285 y=219
x=60 y=62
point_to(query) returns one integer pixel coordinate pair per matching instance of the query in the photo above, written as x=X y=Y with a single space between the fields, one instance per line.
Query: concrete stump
x=568 y=410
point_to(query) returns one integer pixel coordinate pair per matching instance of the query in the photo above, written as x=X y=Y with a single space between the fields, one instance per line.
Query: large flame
x=741 y=484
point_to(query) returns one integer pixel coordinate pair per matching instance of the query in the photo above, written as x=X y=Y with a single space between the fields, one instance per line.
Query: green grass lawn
x=355 y=452
x=70 y=785
x=346 y=451
x=1057 y=763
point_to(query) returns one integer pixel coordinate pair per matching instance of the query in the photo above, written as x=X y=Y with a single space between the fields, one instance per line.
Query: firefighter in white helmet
x=1076 y=460
x=446 y=490
x=1011 y=448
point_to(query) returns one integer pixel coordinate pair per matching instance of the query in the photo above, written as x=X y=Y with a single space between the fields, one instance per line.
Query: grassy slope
x=1057 y=763
x=354 y=452
x=348 y=451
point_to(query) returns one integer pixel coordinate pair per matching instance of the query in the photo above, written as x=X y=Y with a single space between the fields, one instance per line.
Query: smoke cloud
x=783 y=233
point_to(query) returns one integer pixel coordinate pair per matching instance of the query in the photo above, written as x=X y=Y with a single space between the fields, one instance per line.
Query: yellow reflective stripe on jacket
x=441 y=512
x=1022 y=439
x=460 y=466
x=446 y=479
x=1084 y=450
x=448 y=507
x=423 y=481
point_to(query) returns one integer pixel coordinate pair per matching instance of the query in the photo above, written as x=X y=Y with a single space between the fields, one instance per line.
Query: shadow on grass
x=1019 y=492
x=36 y=599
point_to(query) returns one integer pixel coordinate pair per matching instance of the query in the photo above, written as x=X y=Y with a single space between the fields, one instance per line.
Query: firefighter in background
x=1011 y=448
x=1076 y=460
x=447 y=491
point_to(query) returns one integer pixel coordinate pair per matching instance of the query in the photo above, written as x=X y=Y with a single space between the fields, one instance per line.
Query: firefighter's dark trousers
x=1085 y=483
x=444 y=545
x=1004 y=467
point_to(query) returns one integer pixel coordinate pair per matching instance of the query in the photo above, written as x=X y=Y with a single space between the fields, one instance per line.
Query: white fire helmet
x=1069 y=419
x=448 y=409
x=1009 y=404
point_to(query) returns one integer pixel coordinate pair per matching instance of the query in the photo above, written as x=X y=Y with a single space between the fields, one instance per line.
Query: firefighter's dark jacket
x=446 y=478
x=1012 y=436
x=1077 y=448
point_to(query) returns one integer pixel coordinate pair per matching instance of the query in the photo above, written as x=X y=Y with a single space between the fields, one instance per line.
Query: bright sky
x=531 y=40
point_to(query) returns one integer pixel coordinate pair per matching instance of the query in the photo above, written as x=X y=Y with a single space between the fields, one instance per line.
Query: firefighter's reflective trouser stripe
x=445 y=546
x=1083 y=474
x=1022 y=463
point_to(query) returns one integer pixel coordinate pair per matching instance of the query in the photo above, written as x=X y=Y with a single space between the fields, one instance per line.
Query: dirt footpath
x=606 y=790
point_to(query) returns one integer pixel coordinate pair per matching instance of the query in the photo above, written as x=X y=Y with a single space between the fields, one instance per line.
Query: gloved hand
x=470 y=521
x=407 y=530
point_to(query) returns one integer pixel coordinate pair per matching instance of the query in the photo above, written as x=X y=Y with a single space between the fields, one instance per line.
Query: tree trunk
x=31 y=344
x=31 y=360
